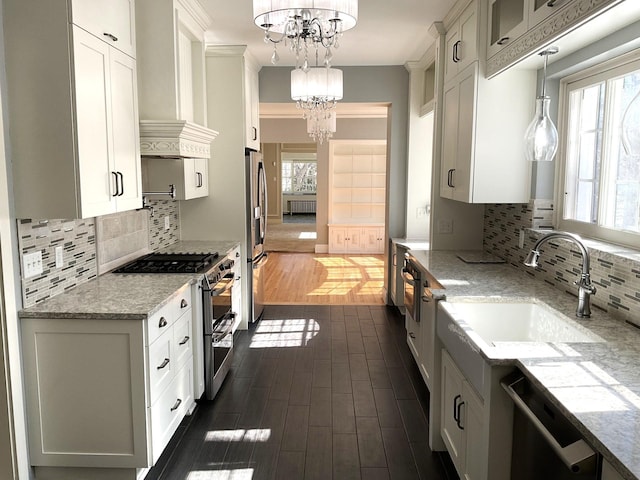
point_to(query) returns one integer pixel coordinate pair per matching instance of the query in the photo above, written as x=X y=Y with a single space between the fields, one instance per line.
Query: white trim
x=324 y=248
x=602 y=72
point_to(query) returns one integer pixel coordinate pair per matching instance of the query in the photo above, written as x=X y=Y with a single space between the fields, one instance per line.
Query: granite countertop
x=597 y=385
x=118 y=296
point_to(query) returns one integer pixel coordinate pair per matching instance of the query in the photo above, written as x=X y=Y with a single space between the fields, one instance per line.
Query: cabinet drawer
x=162 y=320
x=162 y=365
x=167 y=412
x=182 y=340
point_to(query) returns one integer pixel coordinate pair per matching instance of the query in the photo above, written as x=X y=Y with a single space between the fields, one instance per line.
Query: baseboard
x=322 y=248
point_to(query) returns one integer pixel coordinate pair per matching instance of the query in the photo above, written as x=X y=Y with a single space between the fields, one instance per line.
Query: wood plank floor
x=315 y=392
x=323 y=279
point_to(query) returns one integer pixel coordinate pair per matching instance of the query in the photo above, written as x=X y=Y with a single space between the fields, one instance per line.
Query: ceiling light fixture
x=305 y=23
x=541 y=137
x=316 y=91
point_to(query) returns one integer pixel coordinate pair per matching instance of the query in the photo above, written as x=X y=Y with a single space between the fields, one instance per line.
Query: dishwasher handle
x=577 y=456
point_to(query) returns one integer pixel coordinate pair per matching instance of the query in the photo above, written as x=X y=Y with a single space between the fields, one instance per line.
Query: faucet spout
x=585 y=287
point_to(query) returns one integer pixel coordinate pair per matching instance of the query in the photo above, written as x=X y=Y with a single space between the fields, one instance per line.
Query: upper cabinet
x=252 y=103
x=483 y=125
x=507 y=21
x=170 y=45
x=73 y=117
x=461 y=42
x=519 y=28
x=115 y=24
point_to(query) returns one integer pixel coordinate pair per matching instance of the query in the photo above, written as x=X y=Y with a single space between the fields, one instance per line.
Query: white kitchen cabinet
x=461 y=42
x=461 y=420
x=608 y=472
x=107 y=393
x=414 y=336
x=112 y=21
x=189 y=175
x=507 y=22
x=170 y=40
x=483 y=136
x=80 y=156
x=236 y=292
x=356 y=238
x=252 y=103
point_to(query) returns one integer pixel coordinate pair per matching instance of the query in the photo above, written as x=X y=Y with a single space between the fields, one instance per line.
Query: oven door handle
x=219 y=336
x=408 y=278
x=578 y=456
x=216 y=292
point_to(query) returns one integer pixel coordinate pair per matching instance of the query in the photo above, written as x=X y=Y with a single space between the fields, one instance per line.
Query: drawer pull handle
x=164 y=363
x=412 y=335
x=503 y=41
x=184 y=340
x=183 y=303
x=111 y=36
x=176 y=405
x=162 y=323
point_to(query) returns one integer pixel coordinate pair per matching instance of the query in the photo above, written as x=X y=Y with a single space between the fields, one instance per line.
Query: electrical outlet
x=445 y=226
x=59 y=257
x=32 y=264
x=167 y=223
x=521 y=239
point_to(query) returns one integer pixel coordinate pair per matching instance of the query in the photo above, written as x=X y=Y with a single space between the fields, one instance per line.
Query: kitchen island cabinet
x=80 y=156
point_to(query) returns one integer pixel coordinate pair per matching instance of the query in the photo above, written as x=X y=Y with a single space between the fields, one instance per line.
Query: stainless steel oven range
x=219 y=319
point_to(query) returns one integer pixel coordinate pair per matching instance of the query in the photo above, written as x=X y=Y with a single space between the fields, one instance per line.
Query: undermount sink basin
x=521 y=322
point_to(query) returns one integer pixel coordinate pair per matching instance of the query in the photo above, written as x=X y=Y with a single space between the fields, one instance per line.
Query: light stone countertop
x=118 y=296
x=596 y=385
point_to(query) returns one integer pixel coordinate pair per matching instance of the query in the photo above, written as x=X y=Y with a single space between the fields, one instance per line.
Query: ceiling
x=388 y=32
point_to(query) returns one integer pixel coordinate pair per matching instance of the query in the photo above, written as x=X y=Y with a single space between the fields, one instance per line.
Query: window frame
x=288 y=157
x=603 y=71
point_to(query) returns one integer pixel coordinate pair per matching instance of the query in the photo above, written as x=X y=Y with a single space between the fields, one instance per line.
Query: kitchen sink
x=521 y=322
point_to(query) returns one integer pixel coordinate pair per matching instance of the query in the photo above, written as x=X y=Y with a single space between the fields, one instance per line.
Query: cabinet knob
x=162 y=323
x=183 y=303
x=111 y=36
x=503 y=40
x=412 y=335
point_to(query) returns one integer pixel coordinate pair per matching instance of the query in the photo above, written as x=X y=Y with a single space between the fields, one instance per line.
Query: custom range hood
x=175 y=139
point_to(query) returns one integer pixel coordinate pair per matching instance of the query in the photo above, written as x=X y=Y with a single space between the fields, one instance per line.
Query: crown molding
x=175 y=138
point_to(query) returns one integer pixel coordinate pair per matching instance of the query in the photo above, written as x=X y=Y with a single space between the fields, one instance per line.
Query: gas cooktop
x=170 y=263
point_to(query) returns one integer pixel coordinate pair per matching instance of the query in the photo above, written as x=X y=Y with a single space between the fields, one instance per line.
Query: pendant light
x=541 y=137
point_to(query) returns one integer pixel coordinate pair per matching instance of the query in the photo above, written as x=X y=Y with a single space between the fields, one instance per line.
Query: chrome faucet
x=585 y=288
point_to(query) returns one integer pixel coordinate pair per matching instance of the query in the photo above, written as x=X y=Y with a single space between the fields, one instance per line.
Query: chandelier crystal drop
x=322 y=125
x=305 y=23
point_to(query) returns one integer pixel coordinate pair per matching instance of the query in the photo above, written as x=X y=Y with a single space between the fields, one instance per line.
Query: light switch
x=32 y=264
x=59 y=257
x=167 y=223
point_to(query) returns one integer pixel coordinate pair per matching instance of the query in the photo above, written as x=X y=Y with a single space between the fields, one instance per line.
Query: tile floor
x=315 y=392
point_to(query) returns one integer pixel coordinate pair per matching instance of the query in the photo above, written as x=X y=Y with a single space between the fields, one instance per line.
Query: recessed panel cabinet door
x=126 y=137
x=113 y=21
x=96 y=174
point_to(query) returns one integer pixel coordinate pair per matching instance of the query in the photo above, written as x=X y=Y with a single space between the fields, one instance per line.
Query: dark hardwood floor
x=315 y=392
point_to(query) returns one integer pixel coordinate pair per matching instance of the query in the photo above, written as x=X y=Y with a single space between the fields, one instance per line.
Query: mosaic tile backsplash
x=615 y=271
x=78 y=239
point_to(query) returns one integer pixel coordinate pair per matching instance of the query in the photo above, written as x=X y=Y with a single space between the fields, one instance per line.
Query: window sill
x=604 y=250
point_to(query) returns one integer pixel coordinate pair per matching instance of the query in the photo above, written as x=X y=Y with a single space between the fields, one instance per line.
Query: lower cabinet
x=356 y=239
x=461 y=420
x=107 y=393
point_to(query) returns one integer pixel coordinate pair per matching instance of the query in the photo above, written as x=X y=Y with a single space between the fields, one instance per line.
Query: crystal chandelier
x=316 y=91
x=541 y=137
x=305 y=23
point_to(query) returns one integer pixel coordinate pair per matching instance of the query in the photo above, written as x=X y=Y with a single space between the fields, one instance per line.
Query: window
x=299 y=176
x=601 y=181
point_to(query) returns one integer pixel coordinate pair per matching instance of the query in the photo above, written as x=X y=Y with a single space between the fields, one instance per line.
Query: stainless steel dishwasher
x=545 y=443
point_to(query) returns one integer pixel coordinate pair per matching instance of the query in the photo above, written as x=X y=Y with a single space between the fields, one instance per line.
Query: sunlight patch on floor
x=240 y=435
x=308 y=236
x=284 y=333
x=235 y=474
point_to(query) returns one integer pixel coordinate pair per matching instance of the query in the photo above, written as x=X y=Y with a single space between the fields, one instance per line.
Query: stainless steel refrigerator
x=256 y=201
